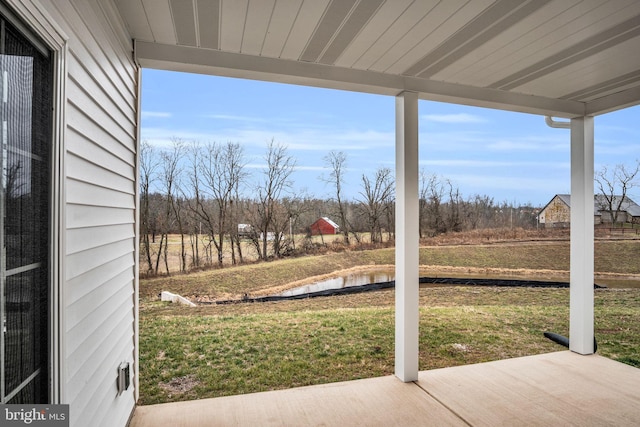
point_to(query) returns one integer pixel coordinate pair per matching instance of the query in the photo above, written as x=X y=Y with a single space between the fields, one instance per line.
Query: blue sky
x=511 y=157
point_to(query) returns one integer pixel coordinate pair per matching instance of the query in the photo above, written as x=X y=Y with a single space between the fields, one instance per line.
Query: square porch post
x=407 y=238
x=581 y=318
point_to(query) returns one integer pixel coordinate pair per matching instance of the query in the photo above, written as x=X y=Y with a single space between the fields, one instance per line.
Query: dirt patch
x=180 y=385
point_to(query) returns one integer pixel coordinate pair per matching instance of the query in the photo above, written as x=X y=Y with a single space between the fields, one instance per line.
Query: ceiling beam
x=615 y=101
x=215 y=62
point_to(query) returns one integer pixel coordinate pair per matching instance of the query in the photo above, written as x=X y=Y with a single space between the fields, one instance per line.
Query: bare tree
x=193 y=156
x=222 y=169
x=198 y=204
x=336 y=161
x=432 y=193
x=273 y=184
x=477 y=211
x=178 y=208
x=375 y=198
x=148 y=165
x=171 y=171
x=235 y=214
x=454 y=217
x=614 y=185
x=423 y=201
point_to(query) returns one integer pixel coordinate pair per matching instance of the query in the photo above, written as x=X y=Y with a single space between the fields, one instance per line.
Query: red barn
x=324 y=226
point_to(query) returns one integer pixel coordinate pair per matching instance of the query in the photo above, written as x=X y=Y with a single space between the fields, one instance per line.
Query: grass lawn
x=620 y=257
x=211 y=351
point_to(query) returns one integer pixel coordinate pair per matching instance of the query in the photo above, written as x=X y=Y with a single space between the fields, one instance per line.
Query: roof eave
x=216 y=62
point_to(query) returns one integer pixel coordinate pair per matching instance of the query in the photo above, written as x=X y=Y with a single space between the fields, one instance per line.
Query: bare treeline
x=224 y=212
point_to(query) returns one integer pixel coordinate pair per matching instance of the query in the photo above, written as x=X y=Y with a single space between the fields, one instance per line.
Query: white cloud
x=301 y=139
x=255 y=165
x=508 y=145
x=311 y=168
x=453 y=163
x=491 y=183
x=161 y=137
x=237 y=118
x=530 y=144
x=155 y=114
x=454 y=118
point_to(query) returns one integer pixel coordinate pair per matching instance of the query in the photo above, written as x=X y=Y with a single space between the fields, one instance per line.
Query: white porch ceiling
x=560 y=57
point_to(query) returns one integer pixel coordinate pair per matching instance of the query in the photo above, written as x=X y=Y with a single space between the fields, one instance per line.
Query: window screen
x=25 y=121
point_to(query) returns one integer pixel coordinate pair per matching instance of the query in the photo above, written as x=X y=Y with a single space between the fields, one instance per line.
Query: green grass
x=210 y=351
x=232 y=282
x=610 y=256
x=243 y=348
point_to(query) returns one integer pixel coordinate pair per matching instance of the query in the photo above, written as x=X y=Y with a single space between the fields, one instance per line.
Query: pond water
x=378 y=276
x=353 y=279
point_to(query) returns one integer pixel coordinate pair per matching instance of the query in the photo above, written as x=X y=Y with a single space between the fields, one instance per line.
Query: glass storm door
x=26 y=78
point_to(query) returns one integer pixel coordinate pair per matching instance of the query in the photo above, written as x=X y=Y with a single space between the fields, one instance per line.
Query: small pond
x=353 y=279
x=379 y=276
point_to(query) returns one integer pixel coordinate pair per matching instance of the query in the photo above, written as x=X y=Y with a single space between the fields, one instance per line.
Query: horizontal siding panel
x=104 y=389
x=117 y=31
x=86 y=138
x=97 y=347
x=82 y=239
x=94 y=109
x=83 y=284
x=79 y=216
x=80 y=310
x=91 y=173
x=100 y=359
x=122 y=406
x=82 y=193
x=82 y=262
x=124 y=116
x=83 y=30
x=115 y=404
x=116 y=40
x=87 y=336
x=101 y=84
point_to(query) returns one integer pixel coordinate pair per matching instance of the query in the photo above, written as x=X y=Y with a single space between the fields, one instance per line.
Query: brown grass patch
x=180 y=385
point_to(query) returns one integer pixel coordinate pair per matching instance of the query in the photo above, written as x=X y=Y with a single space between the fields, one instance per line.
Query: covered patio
x=556 y=58
x=551 y=389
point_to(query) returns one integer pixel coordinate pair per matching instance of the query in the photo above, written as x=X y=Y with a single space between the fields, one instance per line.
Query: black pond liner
x=387 y=285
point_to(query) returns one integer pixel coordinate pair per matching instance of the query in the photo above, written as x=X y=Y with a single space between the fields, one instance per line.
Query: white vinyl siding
x=99 y=160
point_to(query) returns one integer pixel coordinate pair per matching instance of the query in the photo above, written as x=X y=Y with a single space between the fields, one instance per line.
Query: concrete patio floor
x=560 y=388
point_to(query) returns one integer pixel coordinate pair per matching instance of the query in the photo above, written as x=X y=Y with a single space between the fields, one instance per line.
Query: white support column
x=581 y=261
x=407 y=243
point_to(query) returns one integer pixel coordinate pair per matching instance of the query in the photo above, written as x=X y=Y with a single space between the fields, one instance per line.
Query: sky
x=512 y=157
